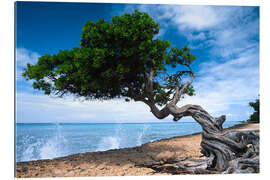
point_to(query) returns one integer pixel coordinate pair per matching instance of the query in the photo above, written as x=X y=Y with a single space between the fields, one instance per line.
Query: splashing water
x=142 y=134
x=122 y=138
x=36 y=141
x=45 y=148
x=30 y=153
x=54 y=147
x=109 y=143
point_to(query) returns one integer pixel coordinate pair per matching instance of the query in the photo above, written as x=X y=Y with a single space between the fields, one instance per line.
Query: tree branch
x=149 y=85
x=179 y=91
x=136 y=97
x=160 y=114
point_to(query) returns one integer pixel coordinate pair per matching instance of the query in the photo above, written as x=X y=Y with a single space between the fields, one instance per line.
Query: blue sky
x=225 y=40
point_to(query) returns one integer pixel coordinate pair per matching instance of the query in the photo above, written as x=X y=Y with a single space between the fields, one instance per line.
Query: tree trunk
x=228 y=151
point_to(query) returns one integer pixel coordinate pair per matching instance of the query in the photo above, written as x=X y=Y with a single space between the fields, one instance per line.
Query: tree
x=124 y=59
x=255 y=117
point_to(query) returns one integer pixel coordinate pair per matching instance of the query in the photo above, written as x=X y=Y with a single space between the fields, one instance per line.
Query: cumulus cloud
x=41 y=108
x=24 y=56
x=221 y=87
x=194 y=17
x=226 y=30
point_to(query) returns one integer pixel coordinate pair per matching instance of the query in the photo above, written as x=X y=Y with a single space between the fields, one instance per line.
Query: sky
x=225 y=40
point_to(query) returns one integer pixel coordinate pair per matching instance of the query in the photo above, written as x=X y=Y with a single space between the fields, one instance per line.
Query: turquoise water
x=46 y=141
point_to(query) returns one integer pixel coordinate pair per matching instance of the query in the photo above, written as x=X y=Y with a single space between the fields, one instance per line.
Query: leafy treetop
x=121 y=58
x=255 y=117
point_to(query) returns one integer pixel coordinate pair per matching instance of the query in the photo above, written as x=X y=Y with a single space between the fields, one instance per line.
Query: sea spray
x=111 y=142
x=55 y=146
x=107 y=143
x=46 y=147
x=46 y=140
x=142 y=134
x=30 y=149
x=123 y=137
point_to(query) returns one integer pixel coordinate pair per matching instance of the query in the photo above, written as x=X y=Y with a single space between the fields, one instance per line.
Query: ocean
x=36 y=141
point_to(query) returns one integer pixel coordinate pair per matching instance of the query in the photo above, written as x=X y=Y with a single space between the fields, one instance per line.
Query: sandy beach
x=121 y=162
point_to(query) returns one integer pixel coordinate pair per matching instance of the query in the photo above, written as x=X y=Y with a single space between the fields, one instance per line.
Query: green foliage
x=112 y=57
x=255 y=117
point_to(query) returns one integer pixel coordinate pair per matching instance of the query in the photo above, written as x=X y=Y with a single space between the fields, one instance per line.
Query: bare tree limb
x=179 y=91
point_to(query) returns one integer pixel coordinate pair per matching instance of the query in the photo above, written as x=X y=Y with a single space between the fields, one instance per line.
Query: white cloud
x=195 y=17
x=200 y=36
x=224 y=30
x=41 y=108
x=184 y=16
x=235 y=39
x=220 y=86
x=24 y=56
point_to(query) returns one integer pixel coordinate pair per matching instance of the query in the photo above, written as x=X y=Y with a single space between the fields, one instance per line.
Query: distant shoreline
x=120 y=162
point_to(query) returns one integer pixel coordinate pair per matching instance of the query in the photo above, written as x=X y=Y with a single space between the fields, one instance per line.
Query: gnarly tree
x=124 y=59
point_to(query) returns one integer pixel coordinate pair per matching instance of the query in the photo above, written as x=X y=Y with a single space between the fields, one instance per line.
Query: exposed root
x=229 y=152
x=185 y=166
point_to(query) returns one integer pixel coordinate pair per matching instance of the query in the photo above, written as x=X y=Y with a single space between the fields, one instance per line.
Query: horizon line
x=109 y=122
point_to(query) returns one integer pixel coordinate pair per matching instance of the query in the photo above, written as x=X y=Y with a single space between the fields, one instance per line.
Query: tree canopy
x=121 y=58
x=255 y=117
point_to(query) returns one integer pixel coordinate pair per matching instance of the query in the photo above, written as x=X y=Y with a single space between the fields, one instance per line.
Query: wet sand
x=120 y=162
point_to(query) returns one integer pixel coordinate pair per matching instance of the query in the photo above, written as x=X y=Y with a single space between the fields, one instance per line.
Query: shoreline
x=120 y=162
x=158 y=139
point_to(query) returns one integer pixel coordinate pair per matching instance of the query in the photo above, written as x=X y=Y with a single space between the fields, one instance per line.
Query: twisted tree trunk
x=228 y=151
